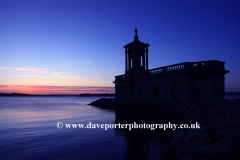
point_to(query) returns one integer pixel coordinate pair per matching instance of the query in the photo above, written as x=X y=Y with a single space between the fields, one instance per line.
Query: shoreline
x=218 y=137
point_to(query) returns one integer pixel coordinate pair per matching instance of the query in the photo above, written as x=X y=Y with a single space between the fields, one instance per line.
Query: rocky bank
x=217 y=138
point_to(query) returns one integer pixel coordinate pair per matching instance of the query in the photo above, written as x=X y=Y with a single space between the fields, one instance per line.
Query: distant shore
x=14 y=94
x=83 y=95
x=80 y=95
x=97 y=95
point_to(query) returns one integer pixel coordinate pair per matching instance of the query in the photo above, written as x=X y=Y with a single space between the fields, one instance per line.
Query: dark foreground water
x=28 y=131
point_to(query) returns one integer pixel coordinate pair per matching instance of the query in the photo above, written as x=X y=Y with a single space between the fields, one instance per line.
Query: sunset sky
x=76 y=46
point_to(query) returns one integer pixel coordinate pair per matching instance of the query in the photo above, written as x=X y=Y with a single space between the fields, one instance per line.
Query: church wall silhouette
x=188 y=80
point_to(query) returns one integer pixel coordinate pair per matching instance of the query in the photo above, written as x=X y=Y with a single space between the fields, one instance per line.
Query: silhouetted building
x=188 y=80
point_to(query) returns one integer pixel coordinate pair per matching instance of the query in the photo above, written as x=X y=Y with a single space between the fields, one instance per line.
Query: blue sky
x=76 y=43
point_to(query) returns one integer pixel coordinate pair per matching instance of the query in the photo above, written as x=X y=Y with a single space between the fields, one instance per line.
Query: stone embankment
x=217 y=138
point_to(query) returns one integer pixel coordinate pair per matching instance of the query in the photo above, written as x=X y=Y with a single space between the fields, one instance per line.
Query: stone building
x=188 y=80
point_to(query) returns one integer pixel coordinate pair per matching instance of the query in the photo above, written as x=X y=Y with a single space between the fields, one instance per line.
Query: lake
x=28 y=131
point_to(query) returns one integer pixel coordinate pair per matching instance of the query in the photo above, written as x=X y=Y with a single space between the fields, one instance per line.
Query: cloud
x=57 y=78
x=60 y=76
x=82 y=77
x=74 y=62
x=4 y=86
x=58 y=72
x=73 y=80
x=80 y=62
x=78 y=78
x=65 y=65
x=31 y=69
x=89 y=82
x=28 y=76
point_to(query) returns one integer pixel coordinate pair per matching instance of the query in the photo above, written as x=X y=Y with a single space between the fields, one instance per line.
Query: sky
x=76 y=46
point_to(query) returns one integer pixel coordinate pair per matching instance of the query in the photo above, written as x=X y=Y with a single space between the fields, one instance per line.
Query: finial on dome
x=136 y=30
x=136 y=36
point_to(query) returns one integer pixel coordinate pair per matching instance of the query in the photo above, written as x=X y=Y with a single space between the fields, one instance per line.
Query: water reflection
x=28 y=131
x=138 y=140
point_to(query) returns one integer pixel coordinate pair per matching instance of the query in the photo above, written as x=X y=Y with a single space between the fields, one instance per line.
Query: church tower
x=136 y=56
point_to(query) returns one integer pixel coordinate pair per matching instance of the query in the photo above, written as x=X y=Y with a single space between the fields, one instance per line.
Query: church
x=184 y=81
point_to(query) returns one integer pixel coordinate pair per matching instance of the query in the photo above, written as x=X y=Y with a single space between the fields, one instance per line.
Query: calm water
x=28 y=131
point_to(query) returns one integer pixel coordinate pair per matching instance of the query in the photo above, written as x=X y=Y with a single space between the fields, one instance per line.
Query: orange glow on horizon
x=42 y=90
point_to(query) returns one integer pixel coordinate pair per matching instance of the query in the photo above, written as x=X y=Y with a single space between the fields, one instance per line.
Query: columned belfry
x=136 y=56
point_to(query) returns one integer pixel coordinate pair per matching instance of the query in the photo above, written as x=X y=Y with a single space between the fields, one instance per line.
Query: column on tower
x=126 y=59
x=146 y=58
x=143 y=60
x=129 y=61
